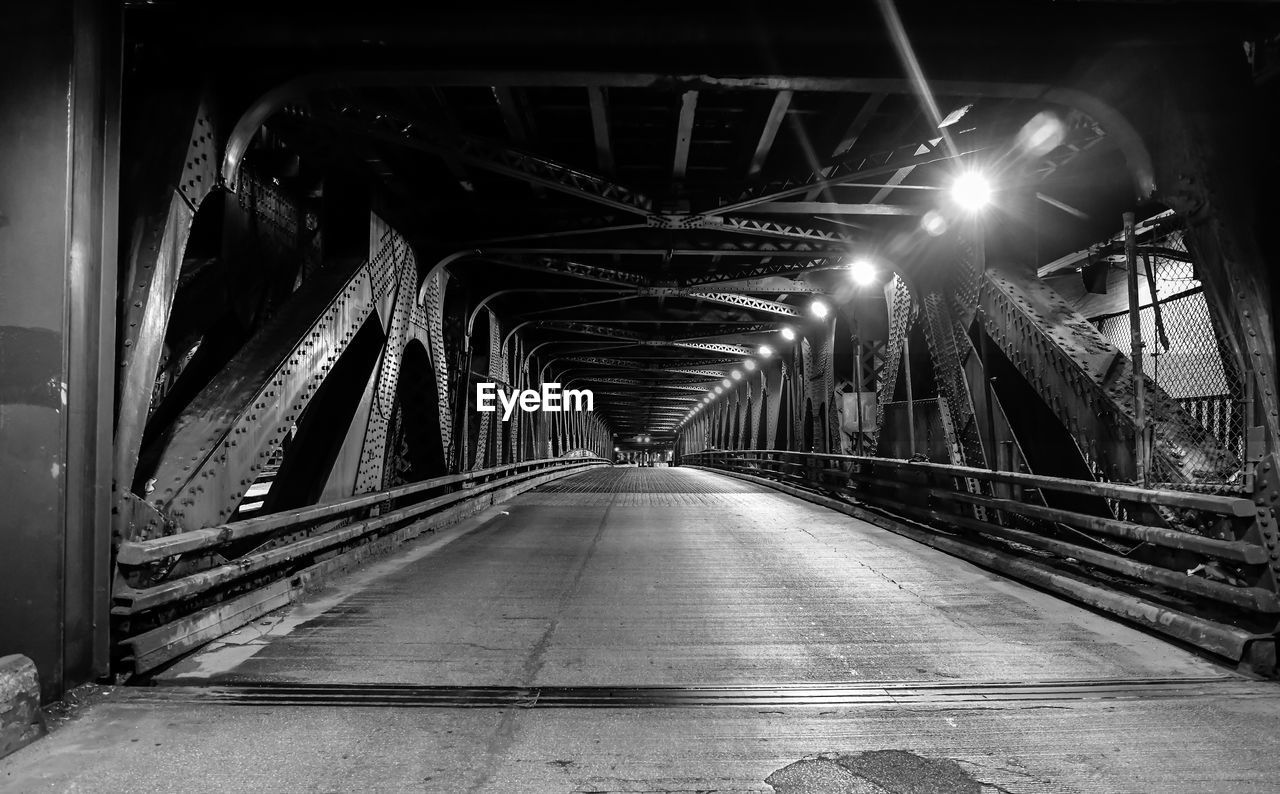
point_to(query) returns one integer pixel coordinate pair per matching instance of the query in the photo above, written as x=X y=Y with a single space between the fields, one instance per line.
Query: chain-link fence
x=1181 y=352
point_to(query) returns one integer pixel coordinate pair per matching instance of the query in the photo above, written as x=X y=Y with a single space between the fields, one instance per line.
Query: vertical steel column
x=856 y=343
x=911 y=403
x=1135 y=351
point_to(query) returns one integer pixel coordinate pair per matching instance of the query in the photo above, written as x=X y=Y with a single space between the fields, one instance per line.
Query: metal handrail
x=156 y=549
x=960 y=502
x=128 y=601
x=981 y=516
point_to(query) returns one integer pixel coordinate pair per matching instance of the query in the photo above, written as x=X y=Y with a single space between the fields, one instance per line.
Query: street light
x=749 y=365
x=765 y=351
x=736 y=374
x=788 y=333
x=719 y=390
x=819 y=309
x=971 y=190
x=725 y=383
x=862 y=272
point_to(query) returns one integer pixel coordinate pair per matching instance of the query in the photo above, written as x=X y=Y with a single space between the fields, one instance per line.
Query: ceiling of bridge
x=656 y=225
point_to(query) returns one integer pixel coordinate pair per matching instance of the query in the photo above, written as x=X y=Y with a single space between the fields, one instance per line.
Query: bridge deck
x=650 y=599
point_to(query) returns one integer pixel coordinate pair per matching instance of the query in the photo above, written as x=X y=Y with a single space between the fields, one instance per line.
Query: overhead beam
x=833 y=208
x=598 y=102
x=488 y=156
x=759 y=269
x=511 y=119
x=763 y=248
x=847 y=140
x=885 y=162
x=897 y=177
x=777 y=112
x=718 y=347
x=439 y=105
x=487 y=78
x=684 y=134
x=567 y=267
x=747 y=302
x=685 y=386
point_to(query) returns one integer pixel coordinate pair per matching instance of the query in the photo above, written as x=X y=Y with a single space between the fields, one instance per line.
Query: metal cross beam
x=614 y=363
x=717 y=347
x=489 y=156
x=568 y=267
x=648 y=384
x=598 y=103
x=874 y=164
x=747 y=302
x=777 y=112
x=757 y=270
x=718 y=245
x=684 y=134
x=832 y=208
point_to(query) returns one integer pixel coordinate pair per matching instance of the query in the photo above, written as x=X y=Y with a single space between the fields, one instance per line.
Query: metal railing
x=176 y=592
x=1190 y=565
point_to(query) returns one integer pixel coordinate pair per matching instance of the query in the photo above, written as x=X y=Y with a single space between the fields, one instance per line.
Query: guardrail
x=1187 y=564
x=176 y=592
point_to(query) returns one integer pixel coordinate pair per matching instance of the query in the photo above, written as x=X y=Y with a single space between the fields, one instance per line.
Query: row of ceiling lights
x=970 y=190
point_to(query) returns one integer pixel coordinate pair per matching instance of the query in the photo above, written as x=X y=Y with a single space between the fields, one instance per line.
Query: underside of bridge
x=289 y=293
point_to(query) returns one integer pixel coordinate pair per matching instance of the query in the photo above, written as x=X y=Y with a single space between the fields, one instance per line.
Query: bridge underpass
x=916 y=406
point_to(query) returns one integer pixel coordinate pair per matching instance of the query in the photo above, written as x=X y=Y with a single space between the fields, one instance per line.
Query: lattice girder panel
x=396 y=297
x=431 y=313
x=747 y=302
x=229 y=431
x=151 y=272
x=948 y=358
x=901 y=317
x=1088 y=384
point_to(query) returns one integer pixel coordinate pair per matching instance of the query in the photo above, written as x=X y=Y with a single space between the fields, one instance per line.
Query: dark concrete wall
x=57 y=280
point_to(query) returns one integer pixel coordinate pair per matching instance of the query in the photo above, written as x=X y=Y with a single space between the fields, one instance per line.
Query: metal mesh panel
x=1191 y=368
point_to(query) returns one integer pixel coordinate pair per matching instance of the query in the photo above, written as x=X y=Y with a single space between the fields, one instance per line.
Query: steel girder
x=749 y=226
x=644 y=362
x=902 y=313
x=949 y=349
x=490 y=156
x=153 y=265
x=432 y=302
x=701 y=388
x=568 y=267
x=868 y=165
x=592 y=330
x=618 y=363
x=227 y=433
x=689 y=245
x=717 y=347
x=747 y=302
x=400 y=315
x=1208 y=175
x=756 y=270
x=642 y=340
x=774 y=382
x=543 y=172
x=1088 y=384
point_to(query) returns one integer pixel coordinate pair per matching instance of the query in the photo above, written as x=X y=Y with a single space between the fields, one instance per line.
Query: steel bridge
x=933 y=426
